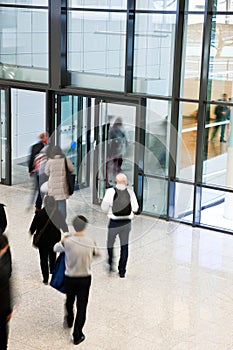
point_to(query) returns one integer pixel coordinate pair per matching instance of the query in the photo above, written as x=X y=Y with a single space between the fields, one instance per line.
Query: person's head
x=79 y=223
x=44 y=137
x=121 y=179
x=56 y=151
x=224 y=97
x=118 y=122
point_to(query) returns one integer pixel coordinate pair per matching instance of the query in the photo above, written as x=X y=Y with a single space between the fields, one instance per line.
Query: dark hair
x=56 y=151
x=79 y=223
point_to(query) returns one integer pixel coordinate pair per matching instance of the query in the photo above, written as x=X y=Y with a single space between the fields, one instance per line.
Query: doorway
x=5 y=144
x=114 y=151
x=73 y=128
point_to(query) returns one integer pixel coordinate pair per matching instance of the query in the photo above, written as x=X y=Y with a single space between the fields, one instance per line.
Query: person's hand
x=63 y=239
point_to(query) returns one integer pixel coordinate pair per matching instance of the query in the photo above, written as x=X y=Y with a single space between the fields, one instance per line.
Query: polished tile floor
x=177 y=294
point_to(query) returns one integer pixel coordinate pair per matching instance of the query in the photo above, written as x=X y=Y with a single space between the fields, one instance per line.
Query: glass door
x=114 y=152
x=73 y=128
x=5 y=143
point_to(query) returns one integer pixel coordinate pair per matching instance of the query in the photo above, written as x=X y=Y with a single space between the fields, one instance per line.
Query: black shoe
x=45 y=282
x=122 y=275
x=79 y=340
x=224 y=141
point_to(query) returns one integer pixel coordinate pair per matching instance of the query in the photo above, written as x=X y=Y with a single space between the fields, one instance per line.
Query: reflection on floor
x=177 y=294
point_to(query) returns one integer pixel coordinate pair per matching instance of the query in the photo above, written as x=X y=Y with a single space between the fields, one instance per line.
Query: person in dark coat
x=5 y=290
x=53 y=222
x=35 y=150
x=118 y=142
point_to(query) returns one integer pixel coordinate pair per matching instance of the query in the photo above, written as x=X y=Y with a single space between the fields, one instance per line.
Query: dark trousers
x=77 y=287
x=38 y=203
x=47 y=261
x=121 y=228
x=216 y=128
x=3 y=331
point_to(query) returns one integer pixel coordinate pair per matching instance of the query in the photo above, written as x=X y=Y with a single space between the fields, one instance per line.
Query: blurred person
x=79 y=250
x=5 y=291
x=57 y=184
x=222 y=115
x=3 y=218
x=33 y=167
x=119 y=224
x=53 y=222
x=117 y=144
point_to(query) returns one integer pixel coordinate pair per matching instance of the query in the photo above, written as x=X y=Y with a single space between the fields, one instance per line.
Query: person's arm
x=59 y=247
x=47 y=168
x=107 y=200
x=134 y=202
x=70 y=165
x=34 y=224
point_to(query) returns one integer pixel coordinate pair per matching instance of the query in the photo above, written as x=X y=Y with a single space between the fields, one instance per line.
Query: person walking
x=121 y=204
x=52 y=222
x=32 y=169
x=57 y=184
x=222 y=115
x=5 y=290
x=79 y=250
x=117 y=143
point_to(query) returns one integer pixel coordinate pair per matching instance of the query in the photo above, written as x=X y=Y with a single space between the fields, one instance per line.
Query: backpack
x=3 y=219
x=121 y=203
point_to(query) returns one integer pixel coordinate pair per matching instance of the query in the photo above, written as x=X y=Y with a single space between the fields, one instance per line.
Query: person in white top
x=79 y=250
x=120 y=215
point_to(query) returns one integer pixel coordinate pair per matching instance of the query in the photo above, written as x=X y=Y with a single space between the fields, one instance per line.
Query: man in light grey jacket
x=120 y=214
x=79 y=250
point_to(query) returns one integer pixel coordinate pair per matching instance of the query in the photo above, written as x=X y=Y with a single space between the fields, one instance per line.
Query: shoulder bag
x=58 y=276
x=37 y=236
x=70 y=178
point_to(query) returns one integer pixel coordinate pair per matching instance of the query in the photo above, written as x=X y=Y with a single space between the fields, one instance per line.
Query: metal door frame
x=139 y=140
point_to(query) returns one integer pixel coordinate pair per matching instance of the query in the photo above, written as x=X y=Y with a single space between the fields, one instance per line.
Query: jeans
x=77 y=287
x=61 y=206
x=121 y=228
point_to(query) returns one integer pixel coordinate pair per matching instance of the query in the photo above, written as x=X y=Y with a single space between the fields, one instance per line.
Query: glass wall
x=221 y=55
x=218 y=146
x=186 y=141
x=175 y=59
x=155 y=196
x=28 y=120
x=191 y=57
x=96 y=48
x=154 y=53
x=157 y=137
x=24 y=43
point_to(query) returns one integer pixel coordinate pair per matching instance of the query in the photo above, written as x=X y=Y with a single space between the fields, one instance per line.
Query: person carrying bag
x=50 y=221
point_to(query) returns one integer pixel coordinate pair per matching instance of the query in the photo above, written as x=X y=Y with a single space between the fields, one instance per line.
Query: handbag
x=44 y=187
x=70 y=179
x=37 y=236
x=58 y=276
